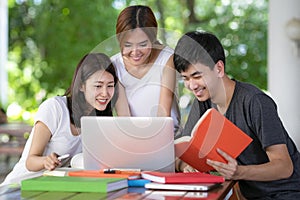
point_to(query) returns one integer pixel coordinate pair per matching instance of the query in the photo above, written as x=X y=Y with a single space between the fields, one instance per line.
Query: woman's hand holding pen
x=53 y=160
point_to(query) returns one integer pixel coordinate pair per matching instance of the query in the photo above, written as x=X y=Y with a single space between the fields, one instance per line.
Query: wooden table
x=127 y=193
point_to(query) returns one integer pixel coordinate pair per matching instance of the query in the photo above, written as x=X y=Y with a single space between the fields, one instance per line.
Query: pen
x=60 y=158
x=127 y=169
x=123 y=171
x=109 y=171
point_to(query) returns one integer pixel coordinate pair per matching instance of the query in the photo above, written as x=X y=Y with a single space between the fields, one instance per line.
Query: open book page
x=212 y=131
x=60 y=171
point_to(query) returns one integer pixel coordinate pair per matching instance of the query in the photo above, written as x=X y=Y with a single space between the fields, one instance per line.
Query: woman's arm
x=122 y=107
x=168 y=83
x=35 y=160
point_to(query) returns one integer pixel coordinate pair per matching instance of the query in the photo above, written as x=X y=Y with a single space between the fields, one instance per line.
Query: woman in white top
x=56 y=128
x=145 y=67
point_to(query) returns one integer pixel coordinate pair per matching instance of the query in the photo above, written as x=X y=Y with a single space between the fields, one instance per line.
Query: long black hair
x=87 y=66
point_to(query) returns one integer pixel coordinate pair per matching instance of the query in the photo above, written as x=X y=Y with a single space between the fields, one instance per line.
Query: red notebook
x=212 y=131
x=188 y=177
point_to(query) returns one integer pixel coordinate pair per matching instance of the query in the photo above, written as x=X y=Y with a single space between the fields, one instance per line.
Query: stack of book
x=190 y=181
x=75 y=180
x=72 y=180
x=133 y=176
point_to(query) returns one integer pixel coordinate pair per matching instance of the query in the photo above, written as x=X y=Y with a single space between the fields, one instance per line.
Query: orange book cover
x=98 y=173
x=212 y=131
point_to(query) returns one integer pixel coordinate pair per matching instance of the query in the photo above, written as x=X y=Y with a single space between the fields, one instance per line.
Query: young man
x=269 y=168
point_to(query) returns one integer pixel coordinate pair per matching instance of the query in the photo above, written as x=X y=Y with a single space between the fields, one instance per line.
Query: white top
x=55 y=115
x=143 y=94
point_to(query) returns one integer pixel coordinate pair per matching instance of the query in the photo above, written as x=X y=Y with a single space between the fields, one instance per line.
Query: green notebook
x=73 y=184
x=46 y=195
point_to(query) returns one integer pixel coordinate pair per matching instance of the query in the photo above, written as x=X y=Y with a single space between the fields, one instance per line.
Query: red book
x=212 y=131
x=188 y=177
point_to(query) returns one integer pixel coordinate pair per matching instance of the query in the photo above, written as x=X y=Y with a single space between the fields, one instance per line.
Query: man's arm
x=280 y=166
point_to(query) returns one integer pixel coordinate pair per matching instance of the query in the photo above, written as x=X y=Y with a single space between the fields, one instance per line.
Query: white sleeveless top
x=143 y=94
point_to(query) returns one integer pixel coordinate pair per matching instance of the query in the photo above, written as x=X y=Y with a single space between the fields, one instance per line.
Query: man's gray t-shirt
x=255 y=113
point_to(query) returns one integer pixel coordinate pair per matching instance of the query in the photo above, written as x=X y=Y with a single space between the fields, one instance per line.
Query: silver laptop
x=145 y=143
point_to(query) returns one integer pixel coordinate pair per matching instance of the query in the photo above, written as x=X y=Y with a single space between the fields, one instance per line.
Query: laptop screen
x=145 y=143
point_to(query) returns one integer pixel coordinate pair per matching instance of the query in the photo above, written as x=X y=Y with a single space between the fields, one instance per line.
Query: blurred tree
x=48 y=37
x=240 y=25
x=65 y=31
x=23 y=57
x=46 y=41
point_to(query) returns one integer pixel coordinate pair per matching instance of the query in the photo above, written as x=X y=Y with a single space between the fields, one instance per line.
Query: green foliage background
x=48 y=37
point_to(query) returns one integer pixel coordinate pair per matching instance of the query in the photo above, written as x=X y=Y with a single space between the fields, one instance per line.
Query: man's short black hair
x=198 y=47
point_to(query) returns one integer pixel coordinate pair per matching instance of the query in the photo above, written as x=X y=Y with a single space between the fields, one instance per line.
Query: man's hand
x=229 y=170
